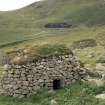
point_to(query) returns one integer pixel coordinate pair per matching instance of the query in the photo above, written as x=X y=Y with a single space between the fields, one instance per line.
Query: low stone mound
x=84 y=44
x=49 y=73
x=57 y=25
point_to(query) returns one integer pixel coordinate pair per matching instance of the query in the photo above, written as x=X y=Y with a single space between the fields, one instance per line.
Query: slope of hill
x=46 y=11
x=28 y=23
x=25 y=27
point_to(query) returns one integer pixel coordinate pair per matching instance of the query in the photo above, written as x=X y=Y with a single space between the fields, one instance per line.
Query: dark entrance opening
x=56 y=84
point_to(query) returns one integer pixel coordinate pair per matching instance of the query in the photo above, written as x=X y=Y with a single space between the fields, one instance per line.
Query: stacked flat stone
x=25 y=80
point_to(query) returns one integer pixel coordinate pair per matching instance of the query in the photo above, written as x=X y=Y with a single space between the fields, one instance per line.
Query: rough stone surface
x=25 y=80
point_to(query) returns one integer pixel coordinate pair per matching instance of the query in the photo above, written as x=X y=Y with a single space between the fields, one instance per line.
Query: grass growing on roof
x=47 y=50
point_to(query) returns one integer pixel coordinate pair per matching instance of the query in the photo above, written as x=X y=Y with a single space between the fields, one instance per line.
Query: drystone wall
x=50 y=73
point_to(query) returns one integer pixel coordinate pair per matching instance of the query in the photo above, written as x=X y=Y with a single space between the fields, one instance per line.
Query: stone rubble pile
x=24 y=80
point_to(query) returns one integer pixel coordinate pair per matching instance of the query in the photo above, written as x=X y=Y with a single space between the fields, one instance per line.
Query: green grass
x=77 y=94
x=65 y=37
x=52 y=50
x=26 y=23
x=89 y=15
x=85 y=55
x=46 y=51
x=22 y=28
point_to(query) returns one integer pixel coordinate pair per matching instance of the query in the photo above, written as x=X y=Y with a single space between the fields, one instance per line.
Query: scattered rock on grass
x=100 y=67
x=101 y=96
x=98 y=82
x=53 y=102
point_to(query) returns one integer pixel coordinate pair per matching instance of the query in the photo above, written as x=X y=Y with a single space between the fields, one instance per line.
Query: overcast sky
x=6 y=5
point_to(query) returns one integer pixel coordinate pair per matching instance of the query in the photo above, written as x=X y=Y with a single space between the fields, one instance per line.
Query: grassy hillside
x=40 y=13
x=25 y=28
x=27 y=23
